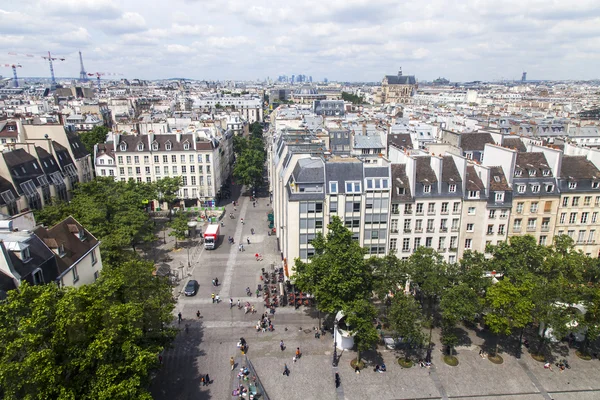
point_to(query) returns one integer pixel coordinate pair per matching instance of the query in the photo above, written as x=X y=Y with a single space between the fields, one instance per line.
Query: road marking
x=233 y=253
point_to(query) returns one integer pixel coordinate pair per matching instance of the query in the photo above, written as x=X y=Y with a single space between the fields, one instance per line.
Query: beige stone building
x=397 y=89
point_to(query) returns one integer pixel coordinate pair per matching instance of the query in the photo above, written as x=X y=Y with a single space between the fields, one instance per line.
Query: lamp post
x=334 y=363
x=188 y=256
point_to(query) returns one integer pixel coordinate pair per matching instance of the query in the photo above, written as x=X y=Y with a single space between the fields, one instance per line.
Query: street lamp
x=334 y=363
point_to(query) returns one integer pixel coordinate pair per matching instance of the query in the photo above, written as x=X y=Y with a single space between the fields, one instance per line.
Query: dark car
x=191 y=288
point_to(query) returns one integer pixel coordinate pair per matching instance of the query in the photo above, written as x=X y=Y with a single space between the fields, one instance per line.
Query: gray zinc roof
x=309 y=170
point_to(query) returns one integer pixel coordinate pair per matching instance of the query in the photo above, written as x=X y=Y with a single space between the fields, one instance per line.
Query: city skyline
x=352 y=40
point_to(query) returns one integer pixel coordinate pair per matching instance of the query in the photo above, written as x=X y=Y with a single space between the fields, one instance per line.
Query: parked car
x=191 y=288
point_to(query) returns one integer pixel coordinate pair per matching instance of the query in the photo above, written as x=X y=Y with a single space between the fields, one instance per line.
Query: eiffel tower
x=82 y=74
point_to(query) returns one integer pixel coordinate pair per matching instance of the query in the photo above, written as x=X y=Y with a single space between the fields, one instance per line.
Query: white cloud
x=127 y=23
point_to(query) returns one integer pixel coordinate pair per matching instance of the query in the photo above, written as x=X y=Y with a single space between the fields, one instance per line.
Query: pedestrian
x=202 y=380
x=213 y=297
x=254 y=204
x=160 y=359
x=179 y=316
x=298 y=354
x=214 y=283
x=252 y=230
x=248 y=240
x=240 y=247
x=230 y=303
x=232 y=362
x=242 y=221
x=281 y=345
x=198 y=314
x=337 y=380
x=217 y=281
x=217 y=299
x=286 y=370
x=207 y=379
x=239 y=304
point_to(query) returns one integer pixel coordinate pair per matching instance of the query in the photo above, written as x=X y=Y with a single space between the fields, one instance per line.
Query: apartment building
x=249 y=107
x=579 y=204
x=310 y=187
x=203 y=161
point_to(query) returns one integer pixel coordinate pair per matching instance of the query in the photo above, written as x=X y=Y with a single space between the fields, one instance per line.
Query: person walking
x=232 y=362
x=179 y=316
x=240 y=247
x=248 y=240
x=230 y=303
x=217 y=281
x=286 y=370
x=281 y=345
x=198 y=314
x=298 y=354
x=207 y=380
x=212 y=296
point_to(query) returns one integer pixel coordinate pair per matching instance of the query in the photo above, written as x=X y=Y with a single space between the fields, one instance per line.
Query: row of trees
x=538 y=284
x=99 y=341
x=250 y=157
x=113 y=211
x=353 y=98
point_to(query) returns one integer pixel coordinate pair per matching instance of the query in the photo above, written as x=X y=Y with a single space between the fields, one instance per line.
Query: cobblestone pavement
x=211 y=341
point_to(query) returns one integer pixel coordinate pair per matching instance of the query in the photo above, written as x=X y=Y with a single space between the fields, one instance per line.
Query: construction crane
x=14 y=68
x=49 y=58
x=98 y=75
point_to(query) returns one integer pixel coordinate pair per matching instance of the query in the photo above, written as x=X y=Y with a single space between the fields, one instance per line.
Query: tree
x=359 y=316
x=249 y=167
x=405 y=318
x=389 y=275
x=256 y=129
x=590 y=321
x=354 y=99
x=458 y=303
x=96 y=135
x=99 y=341
x=508 y=306
x=337 y=274
x=167 y=190
x=179 y=226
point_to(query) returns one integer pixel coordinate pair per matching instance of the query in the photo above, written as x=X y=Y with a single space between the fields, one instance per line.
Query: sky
x=344 y=40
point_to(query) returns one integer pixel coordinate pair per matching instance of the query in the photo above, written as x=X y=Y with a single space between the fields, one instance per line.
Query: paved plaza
x=211 y=341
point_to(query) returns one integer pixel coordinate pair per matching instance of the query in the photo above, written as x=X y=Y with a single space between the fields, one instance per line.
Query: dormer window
x=81 y=235
x=168 y=145
x=473 y=194
x=546 y=172
x=155 y=146
x=186 y=146
x=140 y=146
x=61 y=251
x=595 y=185
x=532 y=172
x=25 y=254
x=123 y=146
x=518 y=172
x=572 y=185
x=426 y=188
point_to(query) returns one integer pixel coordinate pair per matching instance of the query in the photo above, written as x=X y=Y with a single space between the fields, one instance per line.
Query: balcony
x=516 y=229
x=454 y=229
x=406 y=250
x=430 y=230
x=444 y=212
x=407 y=230
x=455 y=212
x=443 y=229
x=489 y=233
x=407 y=212
x=531 y=229
x=441 y=249
x=419 y=213
x=500 y=232
x=503 y=216
x=395 y=212
x=394 y=230
x=453 y=249
x=545 y=228
x=418 y=230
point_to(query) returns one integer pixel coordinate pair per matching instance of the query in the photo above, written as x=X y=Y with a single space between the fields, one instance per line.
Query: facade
x=83 y=123
x=329 y=107
x=249 y=107
x=204 y=163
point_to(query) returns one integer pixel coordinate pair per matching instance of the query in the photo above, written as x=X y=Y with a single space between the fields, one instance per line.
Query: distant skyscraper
x=293 y=79
x=325 y=80
x=524 y=77
x=310 y=79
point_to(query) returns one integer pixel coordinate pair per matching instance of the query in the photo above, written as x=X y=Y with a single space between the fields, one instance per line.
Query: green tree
x=167 y=190
x=99 y=341
x=337 y=274
x=458 y=303
x=354 y=99
x=405 y=318
x=179 y=226
x=590 y=321
x=249 y=168
x=389 y=275
x=96 y=135
x=359 y=316
x=256 y=129
x=508 y=306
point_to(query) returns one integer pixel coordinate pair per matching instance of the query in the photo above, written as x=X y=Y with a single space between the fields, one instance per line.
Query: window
x=333 y=188
x=594 y=217
x=157 y=170
x=453 y=241
x=547 y=206
x=546 y=172
x=444 y=208
x=428 y=242
x=353 y=187
x=587 y=200
x=356 y=207
x=146 y=159
x=165 y=159
x=470 y=227
x=193 y=180
x=405 y=245
x=419 y=225
x=542 y=241
x=490 y=229
x=471 y=210
x=207 y=158
x=549 y=188
x=419 y=208
x=426 y=188
x=531 y=224
x=393 y=245
x=123 y=147
x=518 y=172
x=140 y=147
x=584 y=217
x=184 y=180
x=473 y=194
x=168 y=145
x=565 y=201
x=75 y=274
x=430 y=225
x=591 y=236
x=154 y=146
x=128 y=158
x=452 y=188
x=572 y=218
x=166 y=170
x=545 y=224
x=571 y=234
x=517 y=225
x=533 y=208
x=563 y=217
x=431 y=208
x=417 y=243
x=468 y=243
x=407 y=223
x=595 y=185
x=173 y=159
x=535 y=188
x=575 y=201
x=442 y=243
x=572 y=185
x=492 y=214
x=192 y=169
x=455 y=224
x=186 y=146
x=499 y=197
x=395 y=208
x=94 y=258
x=532 y=172
x=503 y=213
x=501 y=229
x=456 y=207
x=174 y=169
x=521 y=188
